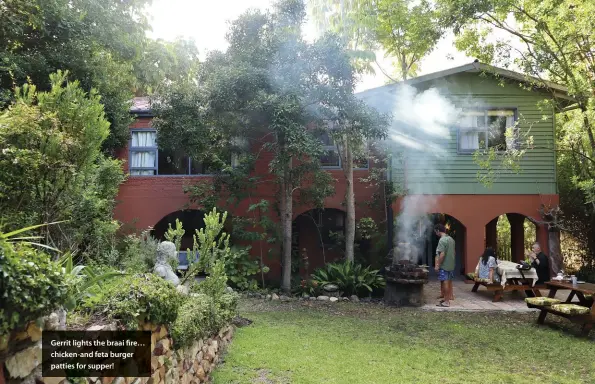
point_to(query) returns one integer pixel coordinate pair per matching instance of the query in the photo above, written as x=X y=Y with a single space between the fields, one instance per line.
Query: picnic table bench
x=513 y=279
x=582 y=312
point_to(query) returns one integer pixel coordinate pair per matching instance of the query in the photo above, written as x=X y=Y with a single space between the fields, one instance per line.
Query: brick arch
x=333 y=205
x=476 y=211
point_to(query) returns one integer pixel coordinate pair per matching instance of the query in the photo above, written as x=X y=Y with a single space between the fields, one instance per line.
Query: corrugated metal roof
x=141 y=105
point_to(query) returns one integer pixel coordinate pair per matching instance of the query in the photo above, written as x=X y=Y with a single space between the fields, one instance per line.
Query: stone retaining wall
x=190 y=365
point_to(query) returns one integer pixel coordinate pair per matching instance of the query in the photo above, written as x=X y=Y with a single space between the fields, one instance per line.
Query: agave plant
x=351 y=278
x=82 y=279
x=12 y=237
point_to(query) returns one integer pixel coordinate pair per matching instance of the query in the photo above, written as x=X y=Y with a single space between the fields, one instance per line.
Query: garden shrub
x=141 y=297
x=139 y=253
x=586 y=273
x=31 y=285
x=241 y=269
x=201 y=316
x=351 y=278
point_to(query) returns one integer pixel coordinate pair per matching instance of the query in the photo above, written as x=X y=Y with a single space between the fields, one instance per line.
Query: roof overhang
x=555 y=90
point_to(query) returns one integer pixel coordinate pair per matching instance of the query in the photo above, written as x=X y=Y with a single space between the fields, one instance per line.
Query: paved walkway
x=465 y=300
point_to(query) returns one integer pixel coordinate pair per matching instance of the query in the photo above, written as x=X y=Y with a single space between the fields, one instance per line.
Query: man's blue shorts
x=445 y=275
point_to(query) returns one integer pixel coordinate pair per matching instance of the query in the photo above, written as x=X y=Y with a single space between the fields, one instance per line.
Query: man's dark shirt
x=543 y=268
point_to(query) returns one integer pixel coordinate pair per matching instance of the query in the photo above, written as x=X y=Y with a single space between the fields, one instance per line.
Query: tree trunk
x=556 y=260
x=350 y=205
x=286 y=214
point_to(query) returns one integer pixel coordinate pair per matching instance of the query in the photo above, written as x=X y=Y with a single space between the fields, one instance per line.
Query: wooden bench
x=583 y=292
x=586 y=321
x=513 y=285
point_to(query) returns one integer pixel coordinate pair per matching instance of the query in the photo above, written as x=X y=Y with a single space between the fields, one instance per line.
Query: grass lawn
x=313 y=342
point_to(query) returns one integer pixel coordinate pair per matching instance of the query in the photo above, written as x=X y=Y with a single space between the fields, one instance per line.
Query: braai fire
x=404 y=277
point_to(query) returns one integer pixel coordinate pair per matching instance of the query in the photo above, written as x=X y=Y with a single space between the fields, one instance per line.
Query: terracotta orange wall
x=144 y=200
x=476 y=211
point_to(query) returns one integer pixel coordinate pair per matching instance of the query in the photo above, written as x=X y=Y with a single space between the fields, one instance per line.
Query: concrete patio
x=465 y=300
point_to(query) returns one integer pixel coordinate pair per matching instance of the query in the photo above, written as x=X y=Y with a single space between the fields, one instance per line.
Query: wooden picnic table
x=512 y=279
x=579 y=291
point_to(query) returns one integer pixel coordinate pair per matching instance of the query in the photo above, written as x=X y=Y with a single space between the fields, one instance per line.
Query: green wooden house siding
x=425 y=172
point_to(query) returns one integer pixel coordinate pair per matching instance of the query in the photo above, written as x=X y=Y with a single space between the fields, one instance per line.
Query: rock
x=333 y=299
x=305 y=297
x=354 y=298
x=366 y=299
x=119 y=380
x=56 y=321
x=53 y=380
x=107 y=380
x=186 y=378
x=312 y=298
x=200 y=373
x=34 y=332
x=344 y=299
x=229 y=289
x=154 y=363
x=170 y=376
x=165 y=251
x=162 y=332
x=96 y=328
x=268 y=297
x=34 y=377
x=274 y=297
x=206 y=366
x=191 y=351
x=22 y=363
x=284 y=298
x=156 y=376
x=330 y=287
x=165 y=344
x=183 y=289
x=323 y=298
x=200 y=355
x=215 y=345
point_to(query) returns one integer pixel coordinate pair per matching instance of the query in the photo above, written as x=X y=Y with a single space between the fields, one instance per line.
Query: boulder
x=333 y=299
x=22 y=363
x=323 y=298
x=354 y=298
x=274 y=297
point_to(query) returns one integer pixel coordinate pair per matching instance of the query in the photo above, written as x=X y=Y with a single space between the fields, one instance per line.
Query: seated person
x=541 y=263
x=486 y=269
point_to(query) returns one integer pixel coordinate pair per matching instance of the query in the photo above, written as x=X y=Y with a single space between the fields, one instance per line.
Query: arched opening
x=510 y=235
x=419 y=231
x=192 y=220
x=318 y=238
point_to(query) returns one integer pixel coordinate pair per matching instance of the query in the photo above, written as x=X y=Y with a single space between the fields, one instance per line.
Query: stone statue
x=165 y=251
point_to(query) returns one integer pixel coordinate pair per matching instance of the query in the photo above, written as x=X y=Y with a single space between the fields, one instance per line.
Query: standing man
x=445 y=264
x=541 y=263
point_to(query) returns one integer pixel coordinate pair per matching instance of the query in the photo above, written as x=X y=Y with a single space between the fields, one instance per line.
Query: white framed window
x=143 y=153
x=485 y=129
x=331 y=158
x=146 y=159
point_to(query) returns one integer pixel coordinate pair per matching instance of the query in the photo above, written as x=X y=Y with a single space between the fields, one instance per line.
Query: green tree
x=406 y=30
x=549 y=40
x=353 y=125
x=52 y=168
x=274 y=90
x=102 y=44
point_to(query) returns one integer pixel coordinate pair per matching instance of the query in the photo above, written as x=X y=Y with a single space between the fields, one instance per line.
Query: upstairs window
x=485 y=129
x=146 y=159
x=331 y=158
x=143 y=153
